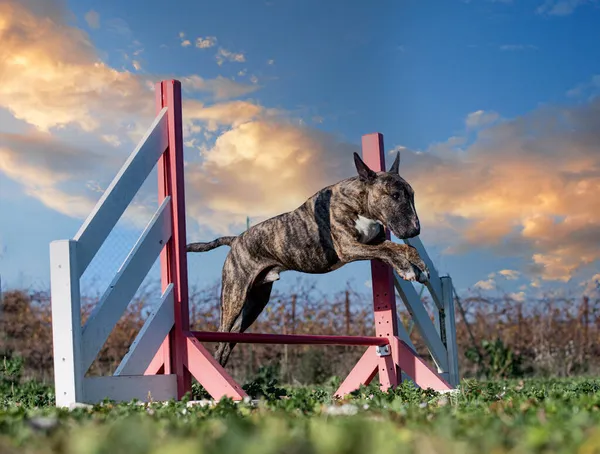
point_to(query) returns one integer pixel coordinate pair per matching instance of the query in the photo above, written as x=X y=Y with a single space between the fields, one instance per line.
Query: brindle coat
x=341 y=223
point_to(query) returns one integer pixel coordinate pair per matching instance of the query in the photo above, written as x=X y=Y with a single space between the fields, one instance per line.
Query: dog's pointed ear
x=396 y=164
x=364 y=173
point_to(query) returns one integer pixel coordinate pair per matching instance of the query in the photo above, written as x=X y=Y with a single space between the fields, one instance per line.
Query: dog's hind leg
x=238 y=322
x=234 y=293
x=258 y=298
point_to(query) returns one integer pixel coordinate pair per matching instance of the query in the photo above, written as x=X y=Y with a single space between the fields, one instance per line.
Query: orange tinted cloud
x=525 y=187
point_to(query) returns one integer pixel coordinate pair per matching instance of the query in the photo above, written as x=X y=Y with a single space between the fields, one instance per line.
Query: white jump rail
x=75 y=346
x=438 y=335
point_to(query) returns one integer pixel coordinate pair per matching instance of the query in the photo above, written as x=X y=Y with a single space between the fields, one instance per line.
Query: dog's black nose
x=414 y=232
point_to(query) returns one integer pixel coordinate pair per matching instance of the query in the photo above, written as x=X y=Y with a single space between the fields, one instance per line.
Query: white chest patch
x=367 y=228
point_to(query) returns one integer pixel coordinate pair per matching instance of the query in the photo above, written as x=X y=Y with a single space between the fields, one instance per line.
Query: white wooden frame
x=439 y=335
x=75 y=347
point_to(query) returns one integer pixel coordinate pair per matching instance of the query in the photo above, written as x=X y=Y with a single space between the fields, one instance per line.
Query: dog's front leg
x=403 y=258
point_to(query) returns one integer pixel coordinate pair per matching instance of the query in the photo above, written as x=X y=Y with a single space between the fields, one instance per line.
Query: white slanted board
x=66 y=322
x=150 y=338
x=423 y=322
x=450 y=324
x=125 y=388
x=121 y=191
x=116 y=298
x=433 y=284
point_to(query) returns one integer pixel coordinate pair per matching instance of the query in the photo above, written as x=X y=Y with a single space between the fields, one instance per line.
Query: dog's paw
x=410 y=274
x=422 y=276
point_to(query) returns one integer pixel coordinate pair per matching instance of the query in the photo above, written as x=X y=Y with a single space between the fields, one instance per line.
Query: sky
x=492 y=104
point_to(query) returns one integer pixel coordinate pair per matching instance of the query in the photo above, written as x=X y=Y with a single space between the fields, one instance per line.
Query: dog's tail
x=204 y=247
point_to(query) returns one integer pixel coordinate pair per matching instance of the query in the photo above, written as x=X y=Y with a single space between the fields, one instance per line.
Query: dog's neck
x=357 y=192
x=365 y=223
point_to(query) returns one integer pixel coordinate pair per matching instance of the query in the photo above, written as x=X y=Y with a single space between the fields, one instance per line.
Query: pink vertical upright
x=173 y=259
x=384 y=299
x=181 y=354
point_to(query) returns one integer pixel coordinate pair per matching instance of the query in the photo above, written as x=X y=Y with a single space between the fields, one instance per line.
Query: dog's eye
x=396 y=195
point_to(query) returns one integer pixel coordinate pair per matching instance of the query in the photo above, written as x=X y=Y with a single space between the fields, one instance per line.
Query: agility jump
x=166 y=353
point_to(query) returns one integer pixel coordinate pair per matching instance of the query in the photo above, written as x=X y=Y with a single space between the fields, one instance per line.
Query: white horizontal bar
x=116 y=298
x=121 y=190
x=125 y=388
x=430 y=336
x=433 y=284
x=150 y=338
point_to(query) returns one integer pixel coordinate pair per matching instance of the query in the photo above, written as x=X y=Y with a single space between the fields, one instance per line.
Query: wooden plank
x=66 y=322
x=116 y=298
x=209 y=373
x=410 y=363
x=121 y=191
x=150 y=338
x=361 y=374
x=125 y=388
x=384 y=298
x=430 y=336
x=173 y=260
x=450 y=322
x=433 y=284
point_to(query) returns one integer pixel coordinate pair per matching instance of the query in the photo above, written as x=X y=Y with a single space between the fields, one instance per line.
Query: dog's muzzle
x=415 y=229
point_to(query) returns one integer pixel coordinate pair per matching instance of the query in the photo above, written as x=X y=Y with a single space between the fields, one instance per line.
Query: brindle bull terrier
x=341 y=223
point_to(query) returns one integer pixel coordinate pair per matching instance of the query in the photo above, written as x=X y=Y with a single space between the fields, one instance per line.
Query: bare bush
x=550 y=336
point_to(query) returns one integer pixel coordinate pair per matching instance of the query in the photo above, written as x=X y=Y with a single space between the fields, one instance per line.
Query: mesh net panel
x=104 y=267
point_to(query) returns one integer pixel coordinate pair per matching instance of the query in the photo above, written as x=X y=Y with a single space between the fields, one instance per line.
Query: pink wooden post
x=173 y=258
x=180 y=354
x=384 y=299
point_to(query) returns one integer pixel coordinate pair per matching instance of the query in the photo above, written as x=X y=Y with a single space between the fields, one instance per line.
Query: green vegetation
x=517 y=416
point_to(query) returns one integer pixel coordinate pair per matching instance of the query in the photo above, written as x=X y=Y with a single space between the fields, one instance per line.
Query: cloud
x=184 y=42
x=261 y=168
x=120 y=27
x=53 y=77
x=589 y=88
x=592 y=285
x=224 y=55
x=248 y=152
x=63 y=177
x=560 y=7
x=509 y=274
x=488 y=284
x=93 y=19
x=230 y=114
x=525 y=187
x=43 y=164
x=519 y=296
x=517 y=47
x=220 y=87
x=205 y=43
x=480 y=118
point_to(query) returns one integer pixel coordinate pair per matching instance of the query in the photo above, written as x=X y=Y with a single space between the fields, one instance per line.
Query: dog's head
x=390 y=199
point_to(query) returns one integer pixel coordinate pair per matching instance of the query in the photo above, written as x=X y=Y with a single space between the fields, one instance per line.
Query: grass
x=537 y=415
